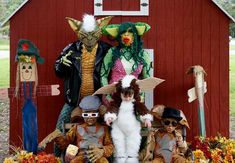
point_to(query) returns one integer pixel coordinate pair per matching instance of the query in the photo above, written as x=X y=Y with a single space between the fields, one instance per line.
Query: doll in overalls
x=92 y=139
x=27 y=58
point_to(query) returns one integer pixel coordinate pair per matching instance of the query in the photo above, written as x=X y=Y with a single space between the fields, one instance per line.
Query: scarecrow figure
x=92 y=140
x=124 y=111
x=27 y=84
x=27 y=58
x=128 y=58
x=167 y=143
x=79 y=64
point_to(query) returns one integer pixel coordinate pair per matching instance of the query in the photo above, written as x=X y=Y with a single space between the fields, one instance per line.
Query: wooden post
x=198 y=92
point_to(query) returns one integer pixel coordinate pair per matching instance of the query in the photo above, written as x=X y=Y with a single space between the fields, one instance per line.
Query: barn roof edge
x=226 y=13
x=13 y=13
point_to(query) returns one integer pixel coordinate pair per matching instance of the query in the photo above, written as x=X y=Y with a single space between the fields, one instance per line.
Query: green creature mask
x=88 y=31
x=128 y=35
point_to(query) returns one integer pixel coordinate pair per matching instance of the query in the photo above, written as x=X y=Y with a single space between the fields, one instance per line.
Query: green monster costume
x=128 y=58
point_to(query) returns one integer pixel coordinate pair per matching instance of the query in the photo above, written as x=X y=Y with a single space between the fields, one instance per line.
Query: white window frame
x=144 y=9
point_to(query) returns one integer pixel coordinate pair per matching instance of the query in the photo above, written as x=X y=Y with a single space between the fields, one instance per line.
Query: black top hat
x=171 y=113
x=27 y=48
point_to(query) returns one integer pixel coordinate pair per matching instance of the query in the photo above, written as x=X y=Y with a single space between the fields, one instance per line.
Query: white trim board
x=149 y=101
x=144 y=9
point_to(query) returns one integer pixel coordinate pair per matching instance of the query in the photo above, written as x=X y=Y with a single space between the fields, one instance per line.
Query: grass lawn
x=232 y=47
x=232 y=84
x=5 y=72
x=4 y=44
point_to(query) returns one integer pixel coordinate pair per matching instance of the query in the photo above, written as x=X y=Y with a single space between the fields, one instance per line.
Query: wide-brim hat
x=27 y=48
x=90 y=103
x=158 y=110
x=171 y=113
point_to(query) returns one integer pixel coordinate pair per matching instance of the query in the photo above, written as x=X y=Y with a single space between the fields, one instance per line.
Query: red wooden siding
x=125 y=5
x=183 y=33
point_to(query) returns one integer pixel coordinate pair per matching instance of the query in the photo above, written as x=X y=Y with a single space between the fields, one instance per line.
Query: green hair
x=135 y=49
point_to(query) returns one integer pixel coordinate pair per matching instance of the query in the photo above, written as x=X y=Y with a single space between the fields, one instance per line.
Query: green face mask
x=90 y=39
x=127 y=38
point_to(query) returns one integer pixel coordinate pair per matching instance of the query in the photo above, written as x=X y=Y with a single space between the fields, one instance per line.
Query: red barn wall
x=183 y=33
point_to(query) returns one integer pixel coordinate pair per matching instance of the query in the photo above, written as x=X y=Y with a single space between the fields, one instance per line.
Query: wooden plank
x=206 y=59
x=160 y=51
x=46 y=19
x=70 y=10
x=76 y=13
x=126 y=6
x=151 y=36
x=196 y=56
x=88 y=7
x=187 y=58
x=130 y=5
x=215 y=70
x=170 y=64
x=17 y=24
x=179 y=92
x=62 y=25
x=52 y=52
x=109 y=5
x=64 y=35
x=152 y=21
x=224 y=75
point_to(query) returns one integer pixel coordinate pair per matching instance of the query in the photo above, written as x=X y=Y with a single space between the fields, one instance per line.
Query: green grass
x=5 y=73
x=232 y=84
x=232 y=47
x=4 y=44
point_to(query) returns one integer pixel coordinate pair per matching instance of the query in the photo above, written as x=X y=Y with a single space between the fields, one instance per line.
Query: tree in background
x=229 y=6
x=2 y=10
x=7 y=7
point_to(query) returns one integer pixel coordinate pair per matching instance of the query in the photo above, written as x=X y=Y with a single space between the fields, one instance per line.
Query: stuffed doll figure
x=167 y=143
x=128 y=58
x=79 y=64
x=27 y=57
x=92 y=140
x=123 y=114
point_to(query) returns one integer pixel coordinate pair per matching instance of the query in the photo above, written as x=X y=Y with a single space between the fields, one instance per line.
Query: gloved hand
x=42 y=145
x=94 y=153
x=109 y=121
x=65 y=61
x=179 y=140
x=147 y=123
